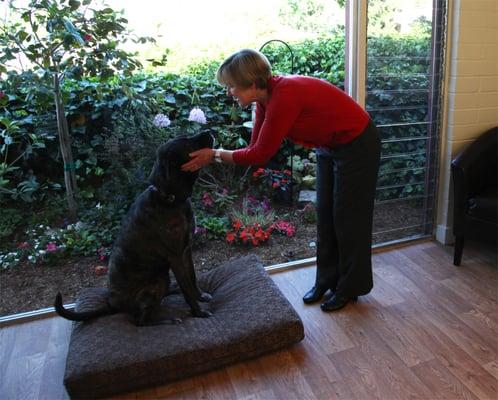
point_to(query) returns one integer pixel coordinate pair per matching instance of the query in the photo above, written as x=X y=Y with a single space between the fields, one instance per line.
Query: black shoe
x=336 y=303
x=314 y=294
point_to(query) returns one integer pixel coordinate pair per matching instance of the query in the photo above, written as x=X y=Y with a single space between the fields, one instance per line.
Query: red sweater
x=308 y=111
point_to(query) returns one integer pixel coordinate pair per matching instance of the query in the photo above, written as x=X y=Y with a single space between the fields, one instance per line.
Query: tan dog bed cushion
x=251 y=317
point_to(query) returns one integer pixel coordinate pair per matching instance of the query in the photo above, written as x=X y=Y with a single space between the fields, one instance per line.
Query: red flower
x=236 y=224
x=230 y=237
x=275 y=184
x=258 y=172
x=2 y=94
x=260 y=234
x=23 y=245
x=87 y=37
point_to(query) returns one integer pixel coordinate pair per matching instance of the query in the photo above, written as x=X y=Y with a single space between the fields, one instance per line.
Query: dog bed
x=251 y=317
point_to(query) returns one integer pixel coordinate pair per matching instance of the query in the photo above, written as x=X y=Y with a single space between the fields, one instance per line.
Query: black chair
x=475 y=178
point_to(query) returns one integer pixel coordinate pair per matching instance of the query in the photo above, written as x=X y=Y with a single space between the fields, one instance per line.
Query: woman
x=313 y=113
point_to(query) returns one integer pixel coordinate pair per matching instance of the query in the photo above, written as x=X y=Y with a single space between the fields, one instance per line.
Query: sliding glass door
x=402 y=79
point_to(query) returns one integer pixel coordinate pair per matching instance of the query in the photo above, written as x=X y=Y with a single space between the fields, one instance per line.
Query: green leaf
x=22 y=35
x=169 y=98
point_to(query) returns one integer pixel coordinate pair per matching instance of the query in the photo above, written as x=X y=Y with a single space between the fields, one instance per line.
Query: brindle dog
x=155 y=237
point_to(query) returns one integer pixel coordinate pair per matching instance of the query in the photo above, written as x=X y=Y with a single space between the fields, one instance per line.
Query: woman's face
x=244 y=96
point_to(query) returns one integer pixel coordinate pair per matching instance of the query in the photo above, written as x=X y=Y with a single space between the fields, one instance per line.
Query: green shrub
x=115 y=139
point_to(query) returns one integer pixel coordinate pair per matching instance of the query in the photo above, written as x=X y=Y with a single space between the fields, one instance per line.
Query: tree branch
x=21 y=47
x=34 y=32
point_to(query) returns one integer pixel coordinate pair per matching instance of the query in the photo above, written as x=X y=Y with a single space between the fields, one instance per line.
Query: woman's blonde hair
x=244 y=68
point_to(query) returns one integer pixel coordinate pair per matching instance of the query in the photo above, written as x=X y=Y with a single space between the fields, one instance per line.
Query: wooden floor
x=428 y=330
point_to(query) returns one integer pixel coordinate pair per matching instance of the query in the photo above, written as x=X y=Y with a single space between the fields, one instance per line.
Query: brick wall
x=471 y=94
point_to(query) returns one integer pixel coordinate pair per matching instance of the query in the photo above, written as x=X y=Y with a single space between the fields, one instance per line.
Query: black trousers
x=346 y=181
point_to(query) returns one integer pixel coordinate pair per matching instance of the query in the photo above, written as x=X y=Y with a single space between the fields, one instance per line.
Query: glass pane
x=400 y=97
x=116 y=132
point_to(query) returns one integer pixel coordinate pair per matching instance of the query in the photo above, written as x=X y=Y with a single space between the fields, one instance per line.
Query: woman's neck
x=263 y=96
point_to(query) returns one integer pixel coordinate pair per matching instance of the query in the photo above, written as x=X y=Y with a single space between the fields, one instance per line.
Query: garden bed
x=28 y=287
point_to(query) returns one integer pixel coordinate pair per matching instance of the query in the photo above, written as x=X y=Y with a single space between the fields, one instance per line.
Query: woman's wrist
x=217 y=155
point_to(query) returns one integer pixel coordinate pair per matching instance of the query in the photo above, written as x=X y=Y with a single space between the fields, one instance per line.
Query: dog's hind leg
x=147 y=304
x=147 y=312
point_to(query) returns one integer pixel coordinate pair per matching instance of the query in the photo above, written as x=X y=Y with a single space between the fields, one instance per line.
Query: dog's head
x=167 y=175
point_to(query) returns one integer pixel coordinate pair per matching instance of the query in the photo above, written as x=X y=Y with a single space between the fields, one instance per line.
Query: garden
x=78 y=132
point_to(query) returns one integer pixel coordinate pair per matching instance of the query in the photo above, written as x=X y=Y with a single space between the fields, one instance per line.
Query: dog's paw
x=205 y=297
x=202 y=314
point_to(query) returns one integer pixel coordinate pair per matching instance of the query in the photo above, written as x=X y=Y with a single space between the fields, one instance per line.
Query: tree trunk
x=67 y=154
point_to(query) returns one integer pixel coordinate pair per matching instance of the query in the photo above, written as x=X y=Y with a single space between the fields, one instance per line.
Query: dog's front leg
x=187 y=256
x=179 y=266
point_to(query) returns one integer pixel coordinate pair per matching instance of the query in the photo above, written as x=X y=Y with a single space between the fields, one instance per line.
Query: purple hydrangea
x=161 y=121
x=197 y=115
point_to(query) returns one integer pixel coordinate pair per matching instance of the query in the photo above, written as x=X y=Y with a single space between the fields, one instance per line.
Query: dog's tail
x=80 y=316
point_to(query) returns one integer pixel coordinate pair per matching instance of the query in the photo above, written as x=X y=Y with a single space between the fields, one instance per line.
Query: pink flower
x=51 y=247
x=285 y=228
x=2 y=94
x=23 y=245
x=207 y=200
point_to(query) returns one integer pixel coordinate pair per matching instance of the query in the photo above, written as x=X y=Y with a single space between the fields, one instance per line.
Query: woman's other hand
x=200 y=158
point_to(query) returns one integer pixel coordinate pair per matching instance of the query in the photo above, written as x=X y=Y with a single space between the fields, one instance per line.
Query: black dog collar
x=170 y=198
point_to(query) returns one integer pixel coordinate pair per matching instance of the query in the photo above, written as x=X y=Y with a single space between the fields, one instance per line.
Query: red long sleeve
x=308 y=111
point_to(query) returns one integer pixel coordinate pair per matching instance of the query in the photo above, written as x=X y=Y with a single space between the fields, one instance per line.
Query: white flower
x=197 y=115
x=30 y=258
x=98 y=206
x=161 y=121
x=79 y=225
x=41 y=252
x=69 y=227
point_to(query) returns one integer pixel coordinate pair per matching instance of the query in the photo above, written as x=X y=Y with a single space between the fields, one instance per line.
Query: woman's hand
x=200 y=158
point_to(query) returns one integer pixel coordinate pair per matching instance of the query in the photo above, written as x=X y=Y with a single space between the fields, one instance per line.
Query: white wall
x=471 y=91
